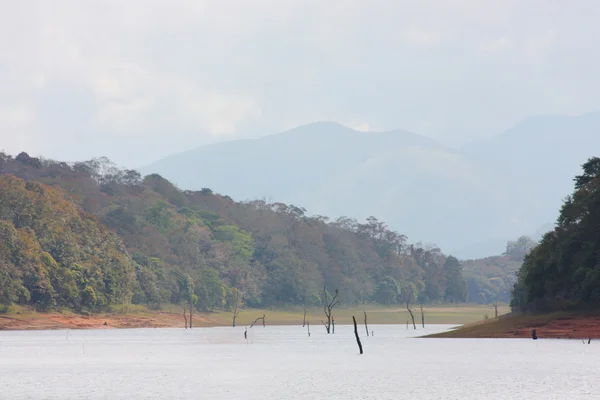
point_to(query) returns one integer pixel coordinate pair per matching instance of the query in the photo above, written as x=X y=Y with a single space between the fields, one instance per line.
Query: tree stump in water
x=356 y=335
x=534 y=335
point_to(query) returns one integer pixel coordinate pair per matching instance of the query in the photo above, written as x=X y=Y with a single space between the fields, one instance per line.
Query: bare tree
x=258 y=319
x=366 y=326
x=304 y=320
x=236 y=311
x=308 y=327
x=185 y=317
x=422 y=316
x=409 y=308
x=356 y=335
x=329 y=302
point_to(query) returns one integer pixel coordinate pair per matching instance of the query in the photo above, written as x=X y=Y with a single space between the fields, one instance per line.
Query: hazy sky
x=137 y=80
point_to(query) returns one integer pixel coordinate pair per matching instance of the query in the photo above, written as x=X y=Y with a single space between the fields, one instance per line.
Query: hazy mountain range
x=469 y=200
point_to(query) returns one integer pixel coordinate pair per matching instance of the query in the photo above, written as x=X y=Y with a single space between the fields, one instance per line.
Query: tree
x=329 y=303
x=517 y=250
x=562 y=271
x=387 y=291
x=456 y=287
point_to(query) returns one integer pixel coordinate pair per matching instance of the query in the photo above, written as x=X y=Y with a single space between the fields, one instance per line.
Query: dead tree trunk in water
x=408 y=307
x=308 y=327
x=366 y=326
x=534 y=335
x=257 y=319
x=356 y=334
x=185 y=317
x=422 y=316
x=329 y=303
x=235 y=309
x=246 y=333
x=332 y=325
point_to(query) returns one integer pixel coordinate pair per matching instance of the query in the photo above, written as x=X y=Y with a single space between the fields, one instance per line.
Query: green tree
x=387 y=291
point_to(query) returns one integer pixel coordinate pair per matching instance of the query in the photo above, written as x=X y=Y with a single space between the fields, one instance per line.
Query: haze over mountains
x=469 y=201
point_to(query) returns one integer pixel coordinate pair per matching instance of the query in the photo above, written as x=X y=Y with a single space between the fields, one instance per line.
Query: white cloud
x=496 y=45
x=537 y=45
x=420 y=37
x=17 y=130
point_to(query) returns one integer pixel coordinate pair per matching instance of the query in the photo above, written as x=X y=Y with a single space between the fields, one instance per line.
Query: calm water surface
x=284 y=363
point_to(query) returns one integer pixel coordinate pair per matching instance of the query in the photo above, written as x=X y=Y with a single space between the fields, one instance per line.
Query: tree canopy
x=563 y=271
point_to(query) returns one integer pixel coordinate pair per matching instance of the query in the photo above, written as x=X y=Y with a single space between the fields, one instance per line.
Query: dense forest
x=491 y=279
x=563 y=271
x=88 y=235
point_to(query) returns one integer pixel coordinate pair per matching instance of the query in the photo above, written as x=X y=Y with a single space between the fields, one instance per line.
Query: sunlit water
x=284 y=363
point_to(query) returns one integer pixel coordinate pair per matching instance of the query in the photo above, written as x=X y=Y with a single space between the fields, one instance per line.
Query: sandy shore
x=560 y=325
x=40 y=321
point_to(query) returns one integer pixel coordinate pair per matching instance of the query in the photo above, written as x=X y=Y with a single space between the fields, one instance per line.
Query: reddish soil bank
x=547 y=326
x=35 y=321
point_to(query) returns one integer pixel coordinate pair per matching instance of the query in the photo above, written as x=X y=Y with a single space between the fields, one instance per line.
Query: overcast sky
x=137 y=80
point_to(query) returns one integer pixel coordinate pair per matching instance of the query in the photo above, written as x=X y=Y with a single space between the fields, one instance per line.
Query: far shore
x=558 y=325
x=22 y=318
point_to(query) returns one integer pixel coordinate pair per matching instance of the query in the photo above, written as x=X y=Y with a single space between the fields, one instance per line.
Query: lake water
x=284 y=363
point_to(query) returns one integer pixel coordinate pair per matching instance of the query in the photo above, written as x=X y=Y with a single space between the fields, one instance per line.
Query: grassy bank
x=559 y=325
x=16 y=318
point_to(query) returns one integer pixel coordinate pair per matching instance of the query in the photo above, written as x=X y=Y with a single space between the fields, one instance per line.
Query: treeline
x=88 y=235
x=491 y=279
x=563 y=271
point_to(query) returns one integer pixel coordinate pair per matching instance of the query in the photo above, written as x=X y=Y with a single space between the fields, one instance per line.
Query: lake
x=279 y=362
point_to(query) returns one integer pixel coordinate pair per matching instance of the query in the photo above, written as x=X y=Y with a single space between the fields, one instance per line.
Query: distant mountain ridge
x=487 y=192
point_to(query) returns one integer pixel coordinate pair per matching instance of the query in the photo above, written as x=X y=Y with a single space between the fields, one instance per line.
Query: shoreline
x=557 y=325
x=21 y=318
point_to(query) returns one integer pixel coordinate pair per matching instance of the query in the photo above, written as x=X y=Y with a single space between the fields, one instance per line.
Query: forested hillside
x=491 y=279
x=563 y=271
x=89 y=235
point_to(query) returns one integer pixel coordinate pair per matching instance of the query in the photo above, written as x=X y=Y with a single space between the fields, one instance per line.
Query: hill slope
x=192 y=247
x=411 y=181
x=493 y=190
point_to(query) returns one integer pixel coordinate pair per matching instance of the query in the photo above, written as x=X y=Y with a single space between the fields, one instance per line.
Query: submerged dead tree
x=366 y=326
x=308 y=327
x=329 y=303
x=356 y=335
x=409 y=308
x=422 y=316
x=185 y=317
x=304 y=320
x=258 y=319
x=236 y=312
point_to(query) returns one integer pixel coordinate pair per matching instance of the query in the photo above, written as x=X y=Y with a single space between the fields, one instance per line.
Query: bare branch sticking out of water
x=258 y=319
x=360 y=348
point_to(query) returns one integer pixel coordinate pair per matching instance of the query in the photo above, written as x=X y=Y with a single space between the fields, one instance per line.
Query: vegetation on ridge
x=164 y=245
x=563 y=271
